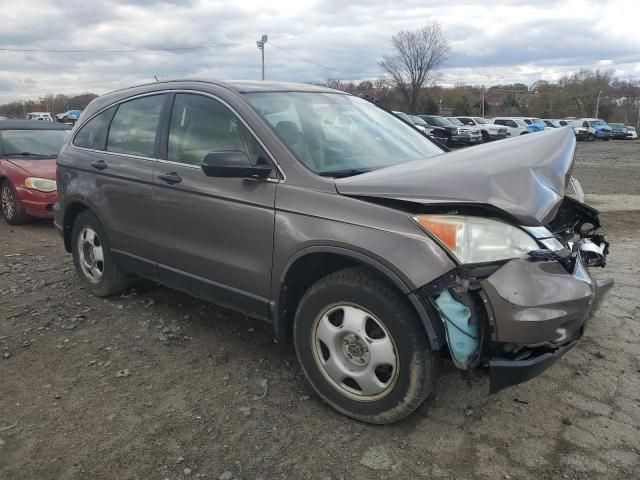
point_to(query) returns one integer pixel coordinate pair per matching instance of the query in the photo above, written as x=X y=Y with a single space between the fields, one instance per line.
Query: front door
x=215 y=235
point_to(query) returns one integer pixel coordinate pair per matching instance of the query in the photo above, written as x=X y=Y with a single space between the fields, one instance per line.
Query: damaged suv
x=374 y=248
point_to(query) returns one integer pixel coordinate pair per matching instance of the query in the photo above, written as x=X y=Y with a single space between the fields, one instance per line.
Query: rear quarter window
x=93 y=134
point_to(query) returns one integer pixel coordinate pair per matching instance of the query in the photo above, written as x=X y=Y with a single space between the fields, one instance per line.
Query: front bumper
x=37 y=203
x=537 y=311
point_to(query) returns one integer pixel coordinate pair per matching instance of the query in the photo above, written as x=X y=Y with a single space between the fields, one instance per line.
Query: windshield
x=33 y=143
x=438 y=121
x=480 y=120
x=340 y=135
x=596 y=123
x=520 y=122
x=418 y=121
x=455 y=121
x=403 y=116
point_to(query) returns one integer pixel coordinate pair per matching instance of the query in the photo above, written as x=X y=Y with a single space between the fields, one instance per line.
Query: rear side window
x=133 y=129
x=499 y=122
x=93 y=134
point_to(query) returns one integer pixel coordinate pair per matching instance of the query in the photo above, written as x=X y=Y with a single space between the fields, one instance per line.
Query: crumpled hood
x=524 y=176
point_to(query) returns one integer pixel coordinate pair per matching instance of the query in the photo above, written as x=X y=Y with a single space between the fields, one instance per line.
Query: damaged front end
x=517 y=317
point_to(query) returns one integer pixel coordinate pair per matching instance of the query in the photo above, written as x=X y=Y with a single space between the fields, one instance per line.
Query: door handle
x=171 y=178
x=99 y=165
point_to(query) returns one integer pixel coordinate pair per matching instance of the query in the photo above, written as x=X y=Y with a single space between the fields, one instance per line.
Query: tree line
x=49 y=103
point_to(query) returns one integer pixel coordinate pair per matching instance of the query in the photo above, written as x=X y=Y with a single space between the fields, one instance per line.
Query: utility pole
x=598 y=104
x=482 y=102
x=260 y=44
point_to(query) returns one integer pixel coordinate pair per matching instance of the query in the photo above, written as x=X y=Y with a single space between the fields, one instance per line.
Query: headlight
x=476 y=239
x=42 y=184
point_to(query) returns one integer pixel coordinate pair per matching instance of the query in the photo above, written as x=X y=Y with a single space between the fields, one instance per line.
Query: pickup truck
x=488 y=130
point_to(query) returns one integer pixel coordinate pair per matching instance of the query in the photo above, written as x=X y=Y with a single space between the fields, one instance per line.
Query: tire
x=12 y=209
x=591 y=137
x=404 y=366
x=485 y=137
x=449 y=142
x=98 y=272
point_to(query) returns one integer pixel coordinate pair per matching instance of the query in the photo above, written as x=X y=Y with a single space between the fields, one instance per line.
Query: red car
x=28 y=152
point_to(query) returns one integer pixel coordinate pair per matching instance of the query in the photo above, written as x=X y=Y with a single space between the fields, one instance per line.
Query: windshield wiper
x=28 y=154
x=347 y=172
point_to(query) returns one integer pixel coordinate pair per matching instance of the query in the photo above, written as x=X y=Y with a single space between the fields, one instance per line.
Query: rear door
x=214 y=235
x=118 y=151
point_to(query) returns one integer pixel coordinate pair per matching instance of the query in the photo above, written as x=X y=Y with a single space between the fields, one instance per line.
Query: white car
x=488 y=130
x=596 y=128
x=631 y=133
x=42 y=116
x=556 y=123
x=515 y=126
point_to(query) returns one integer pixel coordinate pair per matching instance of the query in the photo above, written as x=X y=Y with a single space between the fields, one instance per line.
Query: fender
x=431 y=330
x=65 y=230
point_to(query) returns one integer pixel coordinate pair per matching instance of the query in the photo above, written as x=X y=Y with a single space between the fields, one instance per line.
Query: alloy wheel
x=91 y=254
x=8 y=202
x=355 y=352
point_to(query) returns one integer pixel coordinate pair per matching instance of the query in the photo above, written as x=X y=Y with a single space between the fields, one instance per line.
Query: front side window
x=202 y=125
x=33 y=143
x=340 y=135
x=133 y=129
x=93 y=134
x=500 y=122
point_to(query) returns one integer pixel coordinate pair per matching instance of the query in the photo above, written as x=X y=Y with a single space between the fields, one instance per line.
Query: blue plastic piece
x=462 y=335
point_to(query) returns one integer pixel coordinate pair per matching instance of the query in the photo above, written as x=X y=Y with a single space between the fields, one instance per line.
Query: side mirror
x=232 y=164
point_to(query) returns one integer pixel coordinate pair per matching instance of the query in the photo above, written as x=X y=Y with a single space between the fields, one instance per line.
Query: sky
x=80 y=46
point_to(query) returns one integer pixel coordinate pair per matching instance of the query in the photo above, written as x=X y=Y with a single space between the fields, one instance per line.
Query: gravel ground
x=155 y=384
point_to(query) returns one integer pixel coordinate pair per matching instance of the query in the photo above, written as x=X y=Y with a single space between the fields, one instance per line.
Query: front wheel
x=363 y=347
x=591 y=137
x=12 y=209
x=93 y=258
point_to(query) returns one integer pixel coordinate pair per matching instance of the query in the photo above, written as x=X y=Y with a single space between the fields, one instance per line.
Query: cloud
x=492 y=41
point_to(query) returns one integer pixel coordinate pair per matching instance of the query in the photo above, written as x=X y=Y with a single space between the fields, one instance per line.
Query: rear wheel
x=12 y=209
x=93 y=259
x=363 y=347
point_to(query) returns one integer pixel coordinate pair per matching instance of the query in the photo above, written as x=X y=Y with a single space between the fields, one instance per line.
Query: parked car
x=410 y=119
x=556 y=123
x=420 y=124
x=3 y=118
x=42 y=116
x=581 y=132
x=375 y=252
x=449 y=133
x=595 y=127
x=515 y=126
x=618 y=131
x=475 y=132
x=28 y=151
x=631 y=133
x=488 y=130
x=70 y=116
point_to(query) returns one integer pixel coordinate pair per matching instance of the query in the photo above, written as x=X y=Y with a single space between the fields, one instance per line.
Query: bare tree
x=416 y=54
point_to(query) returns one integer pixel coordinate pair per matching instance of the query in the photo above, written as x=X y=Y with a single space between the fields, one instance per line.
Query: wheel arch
x=312 y=263
x=71 y=211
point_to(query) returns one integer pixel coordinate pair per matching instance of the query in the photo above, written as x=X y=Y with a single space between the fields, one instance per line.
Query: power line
x=306 y=59
x=132 y=50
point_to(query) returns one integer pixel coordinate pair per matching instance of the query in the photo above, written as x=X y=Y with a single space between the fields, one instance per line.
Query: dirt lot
x=155 y=384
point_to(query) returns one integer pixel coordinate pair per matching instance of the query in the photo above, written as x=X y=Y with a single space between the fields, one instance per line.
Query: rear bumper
x=538 y=312
x=36 y=203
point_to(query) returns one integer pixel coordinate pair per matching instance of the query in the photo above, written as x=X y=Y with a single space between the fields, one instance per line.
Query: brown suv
x=344 y=226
